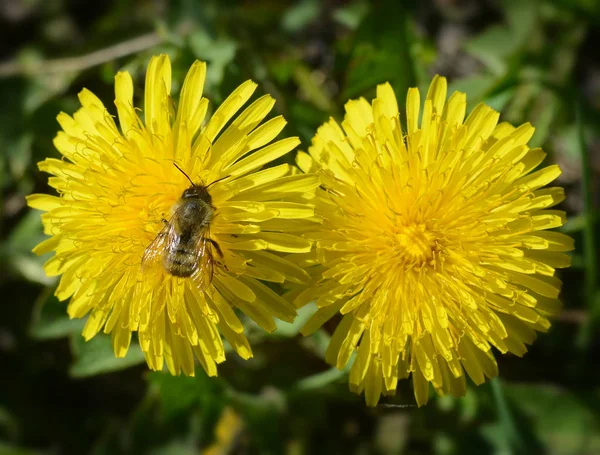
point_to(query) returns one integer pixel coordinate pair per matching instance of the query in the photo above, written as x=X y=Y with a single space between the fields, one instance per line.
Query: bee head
x=197 y=192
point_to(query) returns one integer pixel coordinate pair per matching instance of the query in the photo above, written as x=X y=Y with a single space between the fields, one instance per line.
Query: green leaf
x=18 y=153
x=351 y=14
x=495 y=434
x=178 y=393
x=50 y=319
x=492 y=47
x=176 y=448
x=8 y=424
x=498 y=100
x=45 y=87
x=499 y=42
x=547 y=105
x=590 y=252
x=264 y=415
x=219 y=52
x=320 y=380
x=31 y=268
x=382 y=52
x=97 y=356
x=476 y=87
x=301 y=15
x=506 y=426
x=6 y=449
x=521 y=17
x=291 y=329
x=312 y=89
x=576 y=223
x=561 y=421
x=17 y=249
x=317 y=343
x=28 y=233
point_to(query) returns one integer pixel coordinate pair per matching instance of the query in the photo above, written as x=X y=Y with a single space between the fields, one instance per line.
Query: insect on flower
x=169 y=225
x=184 y=245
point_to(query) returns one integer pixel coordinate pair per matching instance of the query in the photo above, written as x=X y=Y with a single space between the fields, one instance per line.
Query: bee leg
x=219 y=252
x=216 y=247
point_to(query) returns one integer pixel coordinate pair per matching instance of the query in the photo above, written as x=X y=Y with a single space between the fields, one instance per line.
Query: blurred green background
x=536 y=61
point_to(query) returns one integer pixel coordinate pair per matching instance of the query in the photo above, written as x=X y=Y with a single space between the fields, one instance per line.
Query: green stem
x=589 y=250
x=505 y=417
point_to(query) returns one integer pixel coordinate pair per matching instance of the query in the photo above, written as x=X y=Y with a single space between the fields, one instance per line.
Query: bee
x=184 y=246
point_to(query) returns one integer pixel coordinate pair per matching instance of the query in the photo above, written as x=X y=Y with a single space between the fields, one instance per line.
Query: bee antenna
x=218 y=180
x=186 y=176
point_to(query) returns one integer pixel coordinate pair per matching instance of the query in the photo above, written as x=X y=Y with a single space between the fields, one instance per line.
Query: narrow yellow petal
x=263 y=156
x=158 y=89
x=228 y=108
x=437 y=94
x=413 y=105
x=191 y=95
x=43 y=202
x=285 y=243
x=386 y=94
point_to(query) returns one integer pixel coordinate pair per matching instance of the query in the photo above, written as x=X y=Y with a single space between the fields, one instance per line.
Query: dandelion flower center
x=414 y=244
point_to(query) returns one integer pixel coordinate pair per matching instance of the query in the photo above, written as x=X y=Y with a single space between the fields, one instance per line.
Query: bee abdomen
x=180 y=261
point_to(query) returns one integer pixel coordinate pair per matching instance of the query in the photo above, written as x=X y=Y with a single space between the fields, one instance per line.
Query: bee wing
x=165 y=239
x=205 y=263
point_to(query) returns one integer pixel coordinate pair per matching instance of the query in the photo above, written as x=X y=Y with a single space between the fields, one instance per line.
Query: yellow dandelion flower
x=434 y=244
x=124 y=195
